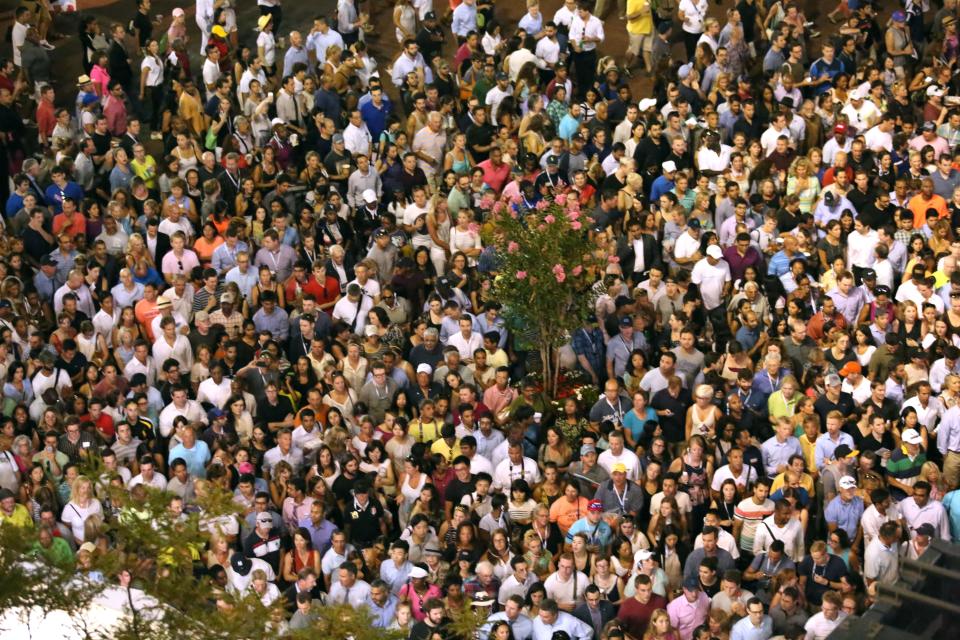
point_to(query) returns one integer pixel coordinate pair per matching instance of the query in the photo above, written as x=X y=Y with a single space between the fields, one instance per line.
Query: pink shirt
x=416 y=602
x=685 y=616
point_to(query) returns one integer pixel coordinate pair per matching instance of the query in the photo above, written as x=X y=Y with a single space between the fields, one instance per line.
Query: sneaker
x=808 y=24
x=46 y=45
x=814 y=34
x=156 y=135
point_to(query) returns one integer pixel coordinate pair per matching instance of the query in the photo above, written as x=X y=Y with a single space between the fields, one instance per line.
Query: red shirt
x=495 y=177
x=635 y=617
x=325 y=293
x=74 y=225
x=46 y=118
x=104 y=424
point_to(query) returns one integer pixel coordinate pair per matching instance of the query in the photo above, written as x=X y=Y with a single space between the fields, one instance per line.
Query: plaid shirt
x=232 y=325
x=589 y=343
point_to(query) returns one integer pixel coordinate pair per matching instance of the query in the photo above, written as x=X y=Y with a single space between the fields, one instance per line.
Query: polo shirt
x=881 y=563
x=846 y=515
x=635 y=616
x=832 y=571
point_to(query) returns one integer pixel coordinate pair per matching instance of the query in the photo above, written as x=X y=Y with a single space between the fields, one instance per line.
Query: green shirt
x=59 y=553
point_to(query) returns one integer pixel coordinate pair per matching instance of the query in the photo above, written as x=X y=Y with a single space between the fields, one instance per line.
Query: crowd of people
x=263 y=263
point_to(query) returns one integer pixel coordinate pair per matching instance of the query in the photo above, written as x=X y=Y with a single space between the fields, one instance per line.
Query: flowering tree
x=546 y=271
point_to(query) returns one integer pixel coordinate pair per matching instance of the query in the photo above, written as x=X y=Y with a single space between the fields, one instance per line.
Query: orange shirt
x=145 y=312
x=919 y=207
x=74 y=225
x=565 y=514
x=205 y=248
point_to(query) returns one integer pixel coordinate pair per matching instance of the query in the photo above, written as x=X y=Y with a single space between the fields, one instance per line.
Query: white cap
x=934 y=90
x=911 y=436
x=855 y=95
x=714 y=251
x=669 y=166
x=643 y=554
x=417 y=572
x=424 y=368
x=369 y=196
x=847 y=482
x=647 y=103
x=277 y=121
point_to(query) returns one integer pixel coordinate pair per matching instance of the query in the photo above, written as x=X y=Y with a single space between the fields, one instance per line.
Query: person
x=689 y=610
x=822 y=624
x=757 y=624
x=551 y=620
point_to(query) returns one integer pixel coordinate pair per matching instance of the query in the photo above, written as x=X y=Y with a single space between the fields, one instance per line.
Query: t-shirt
x=751 y=514
x=634 y=615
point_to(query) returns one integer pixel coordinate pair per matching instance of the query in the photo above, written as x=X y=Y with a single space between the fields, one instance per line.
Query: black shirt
x=824 y=405
x=267 y=412
x=674 y=426
x=456 y=490
x=143 y=27
x=479 y=136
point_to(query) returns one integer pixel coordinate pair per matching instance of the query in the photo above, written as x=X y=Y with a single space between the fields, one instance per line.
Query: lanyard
x=621 y=499
x=616 y=411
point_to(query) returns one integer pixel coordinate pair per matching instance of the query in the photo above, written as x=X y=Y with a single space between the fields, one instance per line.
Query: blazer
x=651 y=254
x=607 y=613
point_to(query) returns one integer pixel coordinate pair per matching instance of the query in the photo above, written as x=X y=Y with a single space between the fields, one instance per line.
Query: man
x=710 y=549
x=566 y=586
x=598 y=532
x=348 y=589
x=689 y=611
x=551 y=621
x=778 y=450
x=712 y=275
x=521 y=625
x=635 y=612
x=755 y=626
x=820 y=572
x=433 y=622
x=518 y=582
x=882 y=556
x=919 y=509
x=264 y=542
x=382 y=604
x=780 y=527
x=845 y=510
x=822 y=624
x=595 y=611
x=750 y=513
x=948 y=443
x=905 y=464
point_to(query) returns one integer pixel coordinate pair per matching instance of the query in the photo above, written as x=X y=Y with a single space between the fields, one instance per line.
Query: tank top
x=694 y=482
x=298 y=564
x=412 y=493
x=703 y=426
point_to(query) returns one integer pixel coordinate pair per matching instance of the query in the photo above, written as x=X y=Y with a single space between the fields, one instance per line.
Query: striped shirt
x=751 y=514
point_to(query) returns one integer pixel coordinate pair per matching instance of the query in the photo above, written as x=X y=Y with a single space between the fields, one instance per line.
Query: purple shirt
x=738 y=264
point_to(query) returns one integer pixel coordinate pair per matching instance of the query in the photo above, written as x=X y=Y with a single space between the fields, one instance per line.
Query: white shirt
x=871 y=520
x=791 y=534
x=180 y=351
x=269 y=44
x=592 y=28
x=881 y=563
x=563 y=592
x=725 y=541
x=577 y=629
x=818 y=627
x=18 y=37
x=157 y=481
x=466 y=346
x=860 y=248
x=192 y=411
x=711 y=279
x=357 y=139
x=769 y=139
x=830 y=148
x=685 y=246
x=211 y=73
x=404 y=64
x=320 y=42
x=548 y=50
x=215 y=394
x=629 y=459
x=694 y=12
x=877 y=140
x=507 y=472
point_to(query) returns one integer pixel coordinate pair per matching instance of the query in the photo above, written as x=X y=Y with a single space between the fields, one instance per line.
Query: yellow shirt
x=425 y=431
x=449 y=452
x=808 y=452
x=806 y=482
x=643 y=25
x=19 y=518
x=498 y=359
x=146 y=170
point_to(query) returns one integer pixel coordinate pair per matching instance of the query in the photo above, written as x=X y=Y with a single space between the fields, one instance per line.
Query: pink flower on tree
x=512 y=247
x=559 y=273
x=543 y=204
x=573 y=215
x=549 y=219
x=521 y=275
x=577 y=270
x=575 y=225
x=561 y=200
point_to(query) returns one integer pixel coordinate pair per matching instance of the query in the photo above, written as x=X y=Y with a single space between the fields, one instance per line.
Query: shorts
x=638 y=42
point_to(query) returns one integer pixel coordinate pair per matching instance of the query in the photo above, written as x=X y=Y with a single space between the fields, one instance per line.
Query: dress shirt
x=592 y=28
x=395 y=576
x=846 y=514
x=355 y=596
x=685 y=616
x=577 y=629
x=948 y=433
x=933 y=513
x=744 y=629
x=776 y=453
x=825 y=446
x=357 y=139
x=225 y=258
x=464 y=19
x=382 y=616
x=522 y=627
x=881 y=563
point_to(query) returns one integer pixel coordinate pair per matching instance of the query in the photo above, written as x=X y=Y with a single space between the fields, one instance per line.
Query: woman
x=610 y=584
x=694 y=469
x=458 y=159
x=538 y=558
x=207 y=243
x=703 y=415
x=547 y=492
x=401 y=444
x=300 y=557
x=354 y=366
x=280 y=476
x=412 y=480
x=840 y=353
x=803 y=184
x=555 y=449
x=635 y=420
x=660 y=627
x=839 y=543
x=83 y=512
x=520 y=504
x=266 y=282
x=635 y=370
x=726 y=503
x=18 y=388
x=668 y=515
x=341 y=395
x=464 y=237
x=498 y=554
x=327 y=467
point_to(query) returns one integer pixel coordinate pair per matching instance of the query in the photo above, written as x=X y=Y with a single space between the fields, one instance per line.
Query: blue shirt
x=196 y=458
x=951 y=503
x=598 y=534
x=846 y=515
x=776 y=453
x=745 y=630
x=395 y=576
x=224 y=258
x=822 y=67
x=522 y=626
x=577 y=629
x=319 y=536
x=375 y=117
x=825 y=446
x=382 y=616
x=55 y=195
x=277 y=323
x=567 y=127
x=661 y=186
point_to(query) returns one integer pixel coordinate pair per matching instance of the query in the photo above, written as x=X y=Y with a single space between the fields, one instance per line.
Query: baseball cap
x=240 y=564
x=714 y=251
x=277 y=122
x=89 y=547
x=669 y=166
x=691 y=583
x=423 y=367
x=626 y=321
x=829 y=198
x=842 y=451
x=6 y=304
x=930 y=126
x=910 y=436
x=868 y=274
x=219 y=31
x=684 y=72
x=832 y=380
x=215 y=413
x=228 y=298
x=647 y=103
x=502 y=76
x=465 y=556
x=847 y=482
x=369 y=196
x=642 y=555
x=482 y=599
x=595 y=505
x=618 y=468
x=337 y=138
x=934 y=91
x=429 y=15
x=898 y=16
x=849 y=368
x=840 y=128
x=47 y=261
x=264 y=518
x=587 y=448
x=694 y=224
